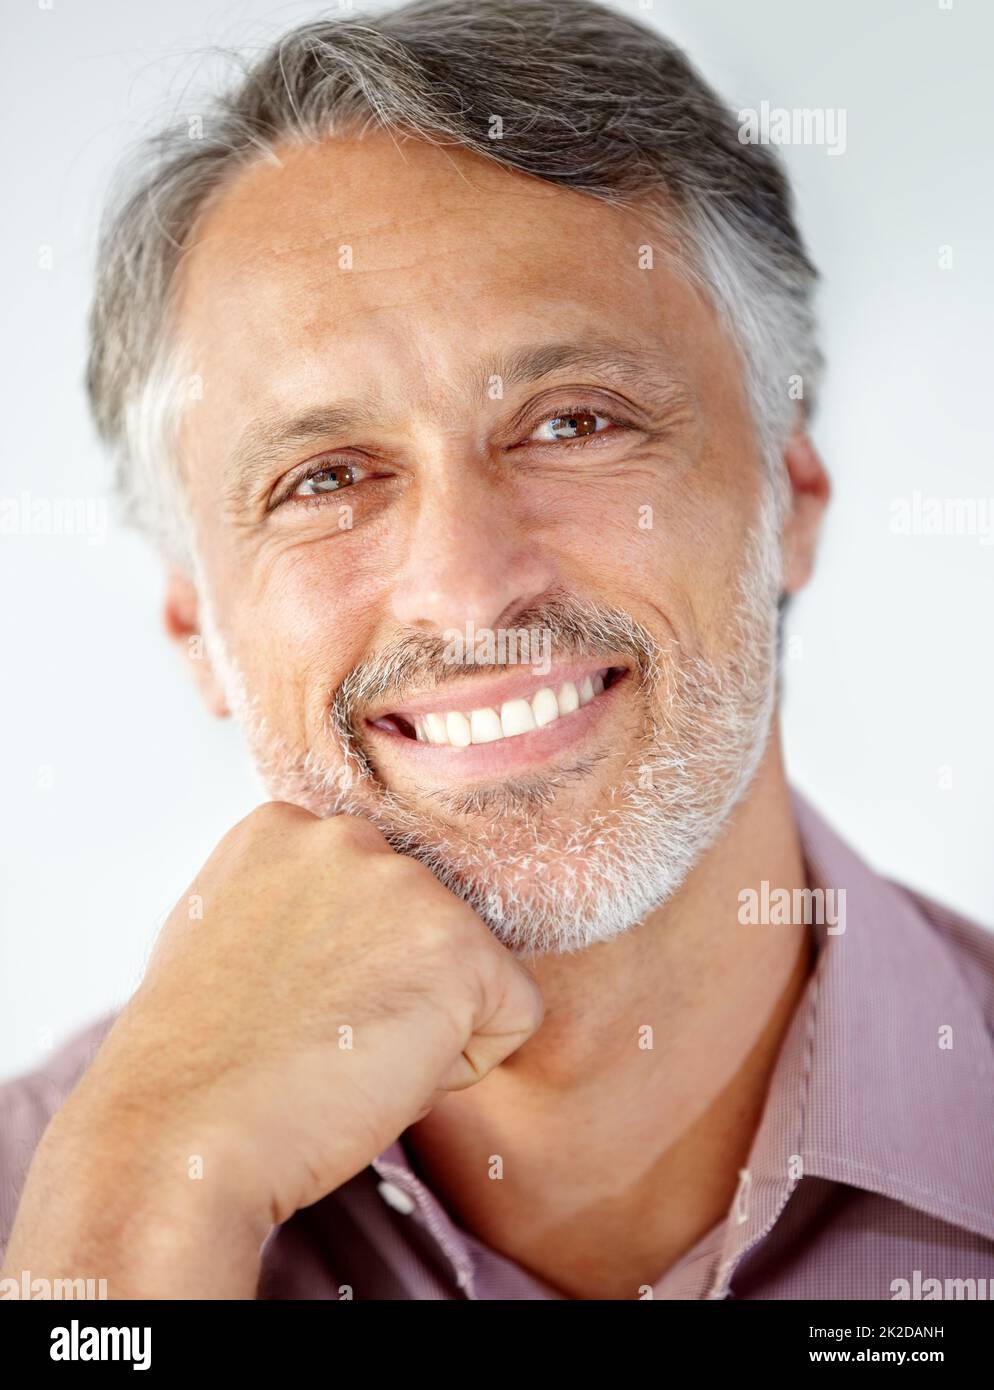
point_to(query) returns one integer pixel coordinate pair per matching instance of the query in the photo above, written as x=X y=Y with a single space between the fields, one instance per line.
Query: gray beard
x=543 y=879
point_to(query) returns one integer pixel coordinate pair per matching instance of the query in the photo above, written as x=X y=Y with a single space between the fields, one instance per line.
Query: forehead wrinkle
x=605 y=357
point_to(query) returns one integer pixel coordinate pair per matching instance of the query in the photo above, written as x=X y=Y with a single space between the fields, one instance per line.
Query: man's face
x=487 y=480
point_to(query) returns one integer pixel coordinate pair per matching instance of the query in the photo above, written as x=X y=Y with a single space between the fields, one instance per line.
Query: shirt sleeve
x=27 y=1104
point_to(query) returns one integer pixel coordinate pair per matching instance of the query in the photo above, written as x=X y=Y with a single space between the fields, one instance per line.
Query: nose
x=469 y=558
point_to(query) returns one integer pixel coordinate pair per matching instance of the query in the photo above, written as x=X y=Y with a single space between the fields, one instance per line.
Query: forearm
x=93 y=1209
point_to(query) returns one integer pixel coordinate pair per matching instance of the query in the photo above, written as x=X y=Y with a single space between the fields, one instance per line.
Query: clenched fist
x=322 y=997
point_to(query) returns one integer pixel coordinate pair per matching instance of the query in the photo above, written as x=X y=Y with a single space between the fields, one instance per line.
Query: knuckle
x=267 y=817
x=261 y=825
x=431 y=931
x=445 y=930
x=354 y=830
x=280 y=813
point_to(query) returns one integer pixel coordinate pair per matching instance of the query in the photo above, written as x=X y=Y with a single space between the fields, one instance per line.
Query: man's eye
x=328 y=477
x=575 y=422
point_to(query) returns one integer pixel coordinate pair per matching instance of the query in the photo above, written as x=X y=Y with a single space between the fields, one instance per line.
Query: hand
x=330 y=993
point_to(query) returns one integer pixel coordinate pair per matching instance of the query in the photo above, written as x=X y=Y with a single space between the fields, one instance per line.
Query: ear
x=810 y=491
x=181 y=619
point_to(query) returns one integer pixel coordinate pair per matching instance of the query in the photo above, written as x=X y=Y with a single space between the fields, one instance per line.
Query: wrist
x=154 y=1212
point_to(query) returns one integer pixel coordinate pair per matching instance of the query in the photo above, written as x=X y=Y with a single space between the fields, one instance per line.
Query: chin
x=549 y=880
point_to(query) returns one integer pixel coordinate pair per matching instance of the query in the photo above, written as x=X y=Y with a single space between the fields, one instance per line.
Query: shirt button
x=396 y=1197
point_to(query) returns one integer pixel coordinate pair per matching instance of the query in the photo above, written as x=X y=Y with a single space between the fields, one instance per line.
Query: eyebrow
x=267 y=439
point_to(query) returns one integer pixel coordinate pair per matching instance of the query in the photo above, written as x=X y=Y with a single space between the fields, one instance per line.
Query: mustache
x=414 y=662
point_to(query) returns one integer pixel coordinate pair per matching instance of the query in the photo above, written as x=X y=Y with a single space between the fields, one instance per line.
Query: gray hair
x=586 y=97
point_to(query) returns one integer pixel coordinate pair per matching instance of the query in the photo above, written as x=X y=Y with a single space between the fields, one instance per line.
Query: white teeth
x=569 y=700
x=519 y=716
x=545 y=706
x=516 y=717
x=435 y=728
x=457 y=727
x=485 y=726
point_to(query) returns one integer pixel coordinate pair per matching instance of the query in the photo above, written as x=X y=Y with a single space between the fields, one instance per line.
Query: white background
x=116 y=785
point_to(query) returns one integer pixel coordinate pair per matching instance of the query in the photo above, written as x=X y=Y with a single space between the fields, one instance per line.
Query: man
x=455 y=374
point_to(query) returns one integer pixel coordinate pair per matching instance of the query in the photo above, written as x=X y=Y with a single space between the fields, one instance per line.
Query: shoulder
x=970 y=944
x=28 y=1102
x=905 y=922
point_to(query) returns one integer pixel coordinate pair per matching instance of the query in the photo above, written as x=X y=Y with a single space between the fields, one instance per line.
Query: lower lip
x=503 y=755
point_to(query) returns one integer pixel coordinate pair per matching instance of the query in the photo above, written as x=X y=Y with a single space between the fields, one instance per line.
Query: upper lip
x=481 y=694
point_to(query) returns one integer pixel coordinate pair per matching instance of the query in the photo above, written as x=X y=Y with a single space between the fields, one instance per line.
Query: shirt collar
x=902 y=1063
x=866 y=1090
x=393 y=1168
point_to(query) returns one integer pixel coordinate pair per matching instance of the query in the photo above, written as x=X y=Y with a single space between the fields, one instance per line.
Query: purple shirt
x=871 y=1172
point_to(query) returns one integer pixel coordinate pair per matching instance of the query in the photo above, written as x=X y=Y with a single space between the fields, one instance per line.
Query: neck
x=621 y=1125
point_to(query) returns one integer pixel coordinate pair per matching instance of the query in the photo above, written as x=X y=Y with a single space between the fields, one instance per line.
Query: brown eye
x=329 y=478
x=574 y=422
x=575 y=425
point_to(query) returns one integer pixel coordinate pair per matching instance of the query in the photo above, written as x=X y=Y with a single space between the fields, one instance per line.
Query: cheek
x=666 y=551
x=630 y=530
x=302 y=629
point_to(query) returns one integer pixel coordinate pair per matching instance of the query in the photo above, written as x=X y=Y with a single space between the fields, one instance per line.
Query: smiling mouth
x=464 y=728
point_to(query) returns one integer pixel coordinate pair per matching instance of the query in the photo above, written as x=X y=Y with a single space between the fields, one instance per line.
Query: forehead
x=388 y=254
